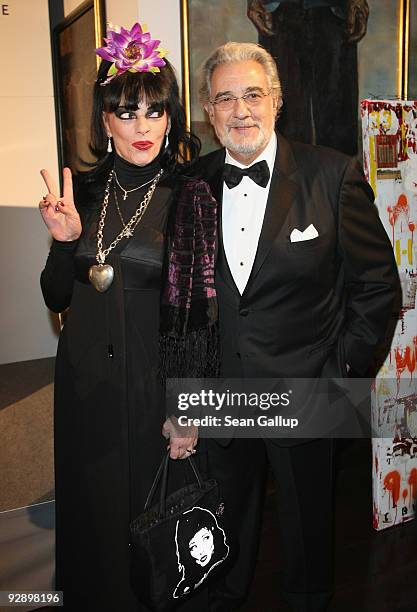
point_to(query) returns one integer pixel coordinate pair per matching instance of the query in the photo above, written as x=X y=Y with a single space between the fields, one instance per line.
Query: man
x=306 y=281
x=315 y=45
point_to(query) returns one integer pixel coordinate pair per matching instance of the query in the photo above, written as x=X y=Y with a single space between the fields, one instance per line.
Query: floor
x=375 y=571
x=26 y=426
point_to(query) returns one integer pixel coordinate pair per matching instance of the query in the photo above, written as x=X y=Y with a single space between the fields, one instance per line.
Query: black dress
x=109 y=407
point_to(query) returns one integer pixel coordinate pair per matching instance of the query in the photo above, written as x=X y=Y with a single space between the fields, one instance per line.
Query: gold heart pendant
x=101 y=277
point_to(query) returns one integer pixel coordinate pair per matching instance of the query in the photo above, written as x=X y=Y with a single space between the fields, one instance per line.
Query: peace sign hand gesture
x=59 y=214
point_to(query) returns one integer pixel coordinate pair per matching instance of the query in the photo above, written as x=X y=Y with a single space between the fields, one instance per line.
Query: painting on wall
x=75 y=72
x=390 y=161
x=372 y=69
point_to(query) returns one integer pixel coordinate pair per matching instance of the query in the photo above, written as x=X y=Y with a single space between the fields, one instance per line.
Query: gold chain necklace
x=116 y=200
x=126 y=191
x=101 y=275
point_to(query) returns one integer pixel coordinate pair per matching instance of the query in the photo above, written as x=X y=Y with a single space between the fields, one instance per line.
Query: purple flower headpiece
x=131 y=50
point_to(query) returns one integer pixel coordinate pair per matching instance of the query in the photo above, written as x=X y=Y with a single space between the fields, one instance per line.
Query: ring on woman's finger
x=56 y=208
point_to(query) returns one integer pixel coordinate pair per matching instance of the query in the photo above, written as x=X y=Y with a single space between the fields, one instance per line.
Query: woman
x=129 y=239
x=201 y=546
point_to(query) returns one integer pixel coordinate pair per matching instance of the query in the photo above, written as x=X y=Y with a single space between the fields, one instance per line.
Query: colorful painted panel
x=390 y=161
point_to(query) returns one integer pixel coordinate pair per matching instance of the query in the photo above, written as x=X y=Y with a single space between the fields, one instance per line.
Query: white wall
x=123 y=13
x=28 y=142
x=27 y=115
x=164 y=22
x=27 y=329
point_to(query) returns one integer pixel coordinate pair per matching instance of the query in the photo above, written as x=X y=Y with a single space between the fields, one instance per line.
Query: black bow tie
x=259 y=173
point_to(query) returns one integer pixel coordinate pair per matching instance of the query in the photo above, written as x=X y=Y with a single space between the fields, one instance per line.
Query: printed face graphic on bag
x=202 y=546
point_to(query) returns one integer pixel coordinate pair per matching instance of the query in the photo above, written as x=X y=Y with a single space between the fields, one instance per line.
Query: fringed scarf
x=189 y=343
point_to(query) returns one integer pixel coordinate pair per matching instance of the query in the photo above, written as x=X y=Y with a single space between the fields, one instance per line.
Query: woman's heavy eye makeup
x=154 y=111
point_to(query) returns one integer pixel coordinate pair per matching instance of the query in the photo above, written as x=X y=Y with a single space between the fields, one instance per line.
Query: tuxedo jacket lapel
x=213 y=175
x=280 y=198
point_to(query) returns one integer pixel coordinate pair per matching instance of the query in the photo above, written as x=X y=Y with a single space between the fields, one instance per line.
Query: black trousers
x=319 y=76
x=304 y=477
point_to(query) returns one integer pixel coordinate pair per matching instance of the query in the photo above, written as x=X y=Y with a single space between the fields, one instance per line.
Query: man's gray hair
x=238 y=52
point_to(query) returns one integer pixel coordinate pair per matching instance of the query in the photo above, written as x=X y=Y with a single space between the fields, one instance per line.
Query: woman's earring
x=109 y=147
x=166 y=134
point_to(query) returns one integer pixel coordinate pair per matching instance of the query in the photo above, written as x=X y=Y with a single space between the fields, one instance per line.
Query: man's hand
x=356 y=19
x=182 y=440
x=260 y=17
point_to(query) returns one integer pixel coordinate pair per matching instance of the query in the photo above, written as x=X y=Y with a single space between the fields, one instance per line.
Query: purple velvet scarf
x=189 y=313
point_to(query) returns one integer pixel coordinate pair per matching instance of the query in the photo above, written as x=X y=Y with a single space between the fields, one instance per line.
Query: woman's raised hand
x=59 y=213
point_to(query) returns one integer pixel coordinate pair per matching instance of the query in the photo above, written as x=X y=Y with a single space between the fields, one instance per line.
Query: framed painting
x=75 y=68
x=386 y=55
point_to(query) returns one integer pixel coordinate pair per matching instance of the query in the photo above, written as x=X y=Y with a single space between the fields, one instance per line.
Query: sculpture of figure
x=314 y=43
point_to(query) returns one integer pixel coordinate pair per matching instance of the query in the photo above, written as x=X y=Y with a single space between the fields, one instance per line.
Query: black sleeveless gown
x=109 y=406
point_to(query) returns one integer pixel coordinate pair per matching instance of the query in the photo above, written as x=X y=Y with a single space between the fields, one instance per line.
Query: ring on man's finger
x=192 y=451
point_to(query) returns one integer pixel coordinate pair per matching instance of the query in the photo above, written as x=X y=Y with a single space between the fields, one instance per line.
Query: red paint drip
x=375 y=522
x=392 y=483
x=406 y=359
x=401 y=207
x=412 y=481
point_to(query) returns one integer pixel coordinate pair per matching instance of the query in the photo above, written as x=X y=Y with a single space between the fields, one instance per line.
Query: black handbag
x=178 y=544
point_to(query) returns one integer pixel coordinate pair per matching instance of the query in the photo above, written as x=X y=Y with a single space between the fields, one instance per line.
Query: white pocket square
x=308 y=234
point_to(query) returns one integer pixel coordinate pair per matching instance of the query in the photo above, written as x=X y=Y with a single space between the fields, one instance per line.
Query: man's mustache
x=240 y=124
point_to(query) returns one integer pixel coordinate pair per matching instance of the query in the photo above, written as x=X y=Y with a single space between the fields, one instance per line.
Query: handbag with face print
x=179 y=543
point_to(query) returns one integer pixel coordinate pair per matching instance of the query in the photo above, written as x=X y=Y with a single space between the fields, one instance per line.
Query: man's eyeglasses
x=252 y=98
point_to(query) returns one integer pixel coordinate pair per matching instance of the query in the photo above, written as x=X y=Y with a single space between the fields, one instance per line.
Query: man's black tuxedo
x=309 y=309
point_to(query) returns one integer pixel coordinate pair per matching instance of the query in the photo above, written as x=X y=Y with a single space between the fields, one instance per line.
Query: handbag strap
x=162 y=476
x=155 y=482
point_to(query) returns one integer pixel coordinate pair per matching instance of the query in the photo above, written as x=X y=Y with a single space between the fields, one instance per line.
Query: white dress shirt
x=243 y=211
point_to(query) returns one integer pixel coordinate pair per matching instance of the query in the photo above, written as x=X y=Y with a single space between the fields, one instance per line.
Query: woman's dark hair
x=160 y=90
x=156 y=89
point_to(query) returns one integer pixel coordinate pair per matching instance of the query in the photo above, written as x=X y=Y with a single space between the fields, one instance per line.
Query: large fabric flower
x=131 y=50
